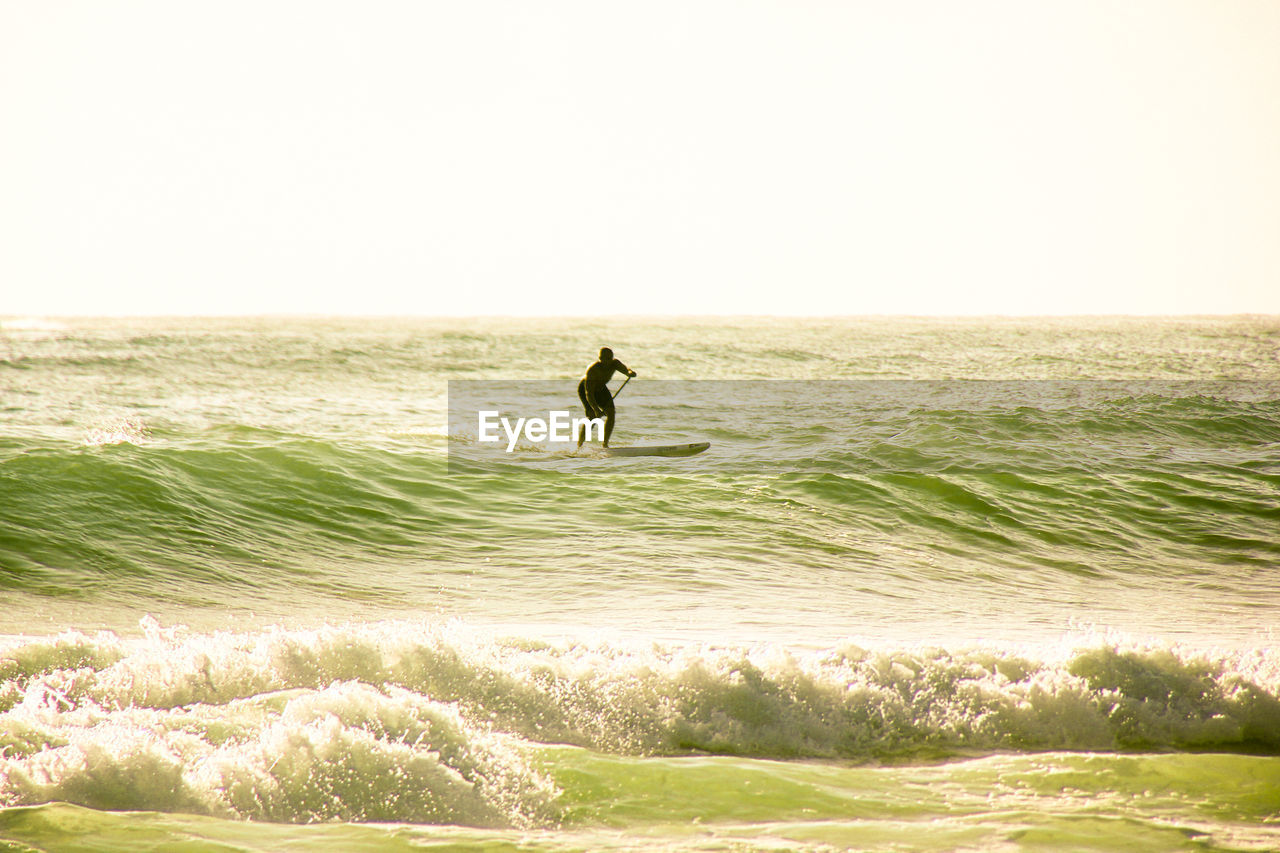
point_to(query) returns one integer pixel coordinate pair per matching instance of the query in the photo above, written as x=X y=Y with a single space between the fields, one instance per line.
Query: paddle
x=620 y=387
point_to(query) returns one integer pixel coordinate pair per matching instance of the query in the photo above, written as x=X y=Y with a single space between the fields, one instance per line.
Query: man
x=593 y=391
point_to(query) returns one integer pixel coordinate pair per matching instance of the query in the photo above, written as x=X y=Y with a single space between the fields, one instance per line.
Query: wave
x=1127 y=485
x=431 y=723
x=136 y=506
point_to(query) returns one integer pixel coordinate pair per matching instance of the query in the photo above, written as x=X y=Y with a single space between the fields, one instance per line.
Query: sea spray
x=424 y=723
x=211 y=725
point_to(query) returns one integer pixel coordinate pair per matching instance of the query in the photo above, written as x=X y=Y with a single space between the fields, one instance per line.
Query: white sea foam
x=427 y=723
x=215 y=724
x=130 y=430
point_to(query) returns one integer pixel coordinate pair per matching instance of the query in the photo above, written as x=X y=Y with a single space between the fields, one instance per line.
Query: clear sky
x=655 y=157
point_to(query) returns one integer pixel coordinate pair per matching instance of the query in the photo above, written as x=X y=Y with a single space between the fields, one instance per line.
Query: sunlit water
x=936 y=584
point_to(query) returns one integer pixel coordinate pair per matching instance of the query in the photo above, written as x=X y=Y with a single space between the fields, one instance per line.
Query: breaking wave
x=439 y=724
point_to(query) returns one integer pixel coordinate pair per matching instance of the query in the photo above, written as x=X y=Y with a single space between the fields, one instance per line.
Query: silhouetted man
x=593 y=391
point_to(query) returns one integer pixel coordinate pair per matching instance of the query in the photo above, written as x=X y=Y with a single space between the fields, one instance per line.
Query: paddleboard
x=660 y=449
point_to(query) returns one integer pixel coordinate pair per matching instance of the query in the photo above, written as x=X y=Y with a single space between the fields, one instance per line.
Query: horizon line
x=302 y=315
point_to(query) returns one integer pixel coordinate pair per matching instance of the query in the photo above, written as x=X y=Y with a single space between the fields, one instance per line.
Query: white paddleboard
x=660 y=449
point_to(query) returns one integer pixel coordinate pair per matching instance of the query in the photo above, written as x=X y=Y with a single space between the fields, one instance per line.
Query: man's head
x=606 y=354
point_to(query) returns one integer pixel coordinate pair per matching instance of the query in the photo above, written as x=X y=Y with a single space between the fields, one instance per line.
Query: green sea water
x=937 y=585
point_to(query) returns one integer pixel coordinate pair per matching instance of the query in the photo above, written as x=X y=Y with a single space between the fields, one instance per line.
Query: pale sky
x=595 y=157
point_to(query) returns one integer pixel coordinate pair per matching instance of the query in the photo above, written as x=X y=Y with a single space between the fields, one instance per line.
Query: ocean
x=938 y=584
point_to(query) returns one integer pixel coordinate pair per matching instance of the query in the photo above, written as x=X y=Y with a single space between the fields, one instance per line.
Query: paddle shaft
x=620 y=387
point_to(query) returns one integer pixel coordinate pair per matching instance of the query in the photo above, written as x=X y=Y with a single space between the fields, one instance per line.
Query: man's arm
x=617 y=365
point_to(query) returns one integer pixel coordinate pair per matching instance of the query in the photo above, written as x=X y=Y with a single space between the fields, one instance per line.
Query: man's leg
x=603 y=401
x=579 y=433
